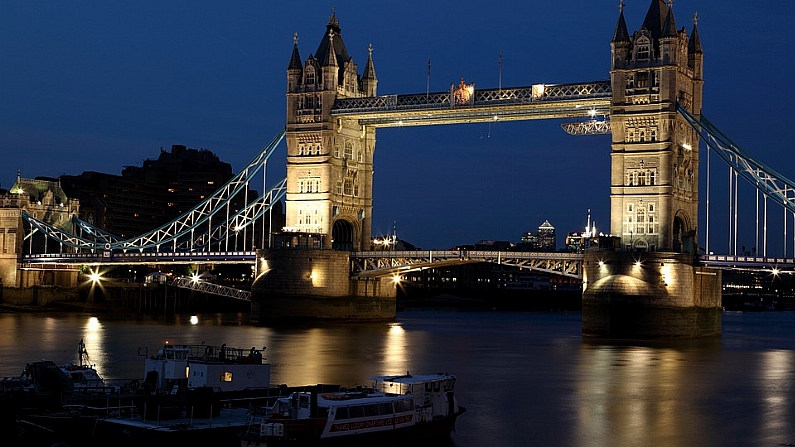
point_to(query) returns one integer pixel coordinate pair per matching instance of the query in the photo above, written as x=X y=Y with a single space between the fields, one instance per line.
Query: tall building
x=143 y=198
x=329 y=161
x=547 y=241
x=654 y=178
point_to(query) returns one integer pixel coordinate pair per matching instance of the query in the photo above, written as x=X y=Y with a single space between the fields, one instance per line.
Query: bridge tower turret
x=654 y=180
x=329 y=161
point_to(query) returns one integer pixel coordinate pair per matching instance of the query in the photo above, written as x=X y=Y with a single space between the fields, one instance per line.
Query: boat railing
x=210 y=353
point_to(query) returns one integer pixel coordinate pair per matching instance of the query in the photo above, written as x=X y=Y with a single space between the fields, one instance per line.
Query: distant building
x=146 y=197
x=547 y=241
x=575 y=241
x=543 y=240
x=489 y=245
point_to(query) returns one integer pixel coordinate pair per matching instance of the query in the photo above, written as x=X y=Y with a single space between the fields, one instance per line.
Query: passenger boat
x=406 y=407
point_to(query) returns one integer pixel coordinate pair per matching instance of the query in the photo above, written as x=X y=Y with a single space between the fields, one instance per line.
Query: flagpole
x=428 y=84
x=499 y=82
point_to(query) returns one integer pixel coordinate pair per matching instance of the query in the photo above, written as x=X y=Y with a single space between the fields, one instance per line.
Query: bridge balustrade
x=488 y=97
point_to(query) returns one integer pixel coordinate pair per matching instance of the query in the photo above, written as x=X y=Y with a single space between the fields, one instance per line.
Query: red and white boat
x=395 y=407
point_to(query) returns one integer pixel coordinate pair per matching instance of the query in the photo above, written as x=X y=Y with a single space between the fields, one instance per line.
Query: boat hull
x=431 y=432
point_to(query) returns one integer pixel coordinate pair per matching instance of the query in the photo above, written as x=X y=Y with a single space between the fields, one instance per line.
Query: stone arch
x=683 y=235
x=342 y=235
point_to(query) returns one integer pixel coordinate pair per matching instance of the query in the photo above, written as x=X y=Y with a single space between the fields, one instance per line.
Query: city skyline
x=100 y=88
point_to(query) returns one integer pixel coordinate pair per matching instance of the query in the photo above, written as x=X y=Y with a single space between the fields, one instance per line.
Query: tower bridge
x=651 y=105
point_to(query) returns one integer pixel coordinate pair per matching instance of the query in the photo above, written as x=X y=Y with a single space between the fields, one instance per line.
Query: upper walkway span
x=467 y=105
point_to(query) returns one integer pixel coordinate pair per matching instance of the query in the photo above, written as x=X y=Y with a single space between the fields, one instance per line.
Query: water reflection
x=641 y=394
x=395 y=360
x=94 y=338
x=338 y=354
x=527 y=379
x=776 y=370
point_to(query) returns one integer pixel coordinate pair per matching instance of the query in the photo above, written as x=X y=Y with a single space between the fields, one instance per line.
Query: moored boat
x=198 y=390
x=405 y=407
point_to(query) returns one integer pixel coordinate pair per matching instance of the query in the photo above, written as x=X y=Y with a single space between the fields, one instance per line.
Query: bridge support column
x=310 y=284
x=642 y=295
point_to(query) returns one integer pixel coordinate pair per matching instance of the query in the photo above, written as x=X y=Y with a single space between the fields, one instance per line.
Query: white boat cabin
x=224 y=368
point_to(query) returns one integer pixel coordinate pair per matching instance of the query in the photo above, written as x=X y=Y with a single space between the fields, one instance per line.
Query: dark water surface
x=527 y=379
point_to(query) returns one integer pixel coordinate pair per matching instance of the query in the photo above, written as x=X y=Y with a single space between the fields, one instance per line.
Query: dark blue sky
x=102 y=85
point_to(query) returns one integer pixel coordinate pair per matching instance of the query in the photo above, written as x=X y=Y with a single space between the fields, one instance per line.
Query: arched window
x=310 y=76
x=643 y=48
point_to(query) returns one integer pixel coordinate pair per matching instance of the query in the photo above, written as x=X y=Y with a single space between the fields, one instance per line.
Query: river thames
x=526 y=378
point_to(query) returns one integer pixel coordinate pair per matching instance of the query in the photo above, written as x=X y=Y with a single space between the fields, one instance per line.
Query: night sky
x=96 y=86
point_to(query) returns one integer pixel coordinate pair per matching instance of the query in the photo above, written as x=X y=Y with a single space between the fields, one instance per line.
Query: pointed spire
x=694 y=46
x=369 y=69
x=333 y=45
x=295 y=59
x=669 y=30
x=621 y=34
x=655 y=18
x=331 y=56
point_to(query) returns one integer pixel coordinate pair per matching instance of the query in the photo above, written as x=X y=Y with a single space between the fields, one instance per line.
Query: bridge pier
x=315 y=284
x=649 y=295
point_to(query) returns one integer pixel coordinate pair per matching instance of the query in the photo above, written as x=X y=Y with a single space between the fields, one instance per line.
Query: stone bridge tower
x=654 y=180
x=653 y=288
x=329 y=161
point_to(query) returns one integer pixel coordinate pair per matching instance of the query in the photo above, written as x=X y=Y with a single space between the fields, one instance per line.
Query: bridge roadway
x=540 y=101
x=389 y=263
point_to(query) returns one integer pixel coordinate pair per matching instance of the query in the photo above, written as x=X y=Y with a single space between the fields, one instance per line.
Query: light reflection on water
x=527 y=379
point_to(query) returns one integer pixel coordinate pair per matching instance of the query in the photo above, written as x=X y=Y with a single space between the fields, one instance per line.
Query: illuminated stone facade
x=654 y=180
x=329 y=161
x=658 y=293
x=45 y=200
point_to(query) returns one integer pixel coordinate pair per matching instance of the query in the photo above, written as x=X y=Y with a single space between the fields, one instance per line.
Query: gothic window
x=338 y=189
x=652 y=181
x=629 y=209
x=348 y=187
x=336 y=151
x=310 y=75
x=348 y=151
x=359 y=155
x=643 y=48
x=651 y=208
x=653 y=134
x=651 y=224
x=356 y=189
